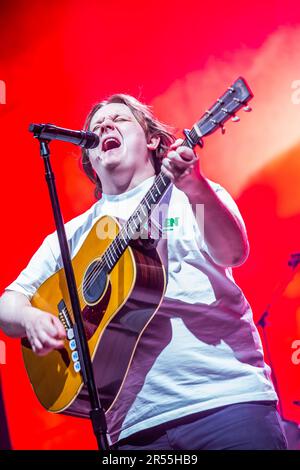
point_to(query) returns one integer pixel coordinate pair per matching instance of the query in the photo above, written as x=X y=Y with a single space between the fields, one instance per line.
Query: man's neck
x=114 y=183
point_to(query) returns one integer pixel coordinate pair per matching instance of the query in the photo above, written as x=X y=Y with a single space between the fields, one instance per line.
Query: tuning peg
x=247 y=109
x=235 y=118
x=223 y=130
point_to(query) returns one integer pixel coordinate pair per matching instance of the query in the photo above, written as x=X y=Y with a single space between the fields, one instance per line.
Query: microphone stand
x=5 y=443
x=97 y=414
x=293 y=263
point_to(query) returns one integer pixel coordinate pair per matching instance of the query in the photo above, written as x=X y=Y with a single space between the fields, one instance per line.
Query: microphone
x=85 y=139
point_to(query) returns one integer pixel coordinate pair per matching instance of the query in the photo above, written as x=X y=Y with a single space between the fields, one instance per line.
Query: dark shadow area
x=5 y=443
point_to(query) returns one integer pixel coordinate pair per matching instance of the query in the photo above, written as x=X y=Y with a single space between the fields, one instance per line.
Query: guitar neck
x=137 y=220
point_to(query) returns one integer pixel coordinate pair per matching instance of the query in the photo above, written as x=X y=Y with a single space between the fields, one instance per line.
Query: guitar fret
x=109 y=254
x=118 y=243
x=157 y=188
x=162 y=184
x=111 y=258
x=145 y=213
x=124 y=230
x=132 y=231
x=113 y=251
x=140 y=220
x=107 y=261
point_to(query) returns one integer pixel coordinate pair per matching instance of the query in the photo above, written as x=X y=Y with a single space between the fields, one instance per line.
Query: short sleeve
x=230 y=204
x=41 y=266
x=228 y=201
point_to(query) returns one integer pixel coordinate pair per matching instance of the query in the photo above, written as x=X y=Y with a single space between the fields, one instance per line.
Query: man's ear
x=153 y=142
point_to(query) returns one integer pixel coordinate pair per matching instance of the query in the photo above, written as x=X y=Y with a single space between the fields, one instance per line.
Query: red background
x=58 y=59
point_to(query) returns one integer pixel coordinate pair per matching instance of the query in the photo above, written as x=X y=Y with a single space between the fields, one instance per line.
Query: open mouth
x=110 y=143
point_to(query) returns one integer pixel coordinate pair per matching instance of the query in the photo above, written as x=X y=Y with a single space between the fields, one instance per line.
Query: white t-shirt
x=201 y=350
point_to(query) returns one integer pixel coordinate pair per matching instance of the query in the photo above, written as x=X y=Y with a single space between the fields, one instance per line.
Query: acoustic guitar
x=121 y=283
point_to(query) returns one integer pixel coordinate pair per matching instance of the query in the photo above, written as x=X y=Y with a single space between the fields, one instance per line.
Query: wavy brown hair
x=152 y=127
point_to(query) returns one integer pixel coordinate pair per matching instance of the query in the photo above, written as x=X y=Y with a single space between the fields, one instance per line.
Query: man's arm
x=19 y=319
x=224 y=234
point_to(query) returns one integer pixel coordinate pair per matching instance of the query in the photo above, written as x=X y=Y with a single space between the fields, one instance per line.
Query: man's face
x=123 y=143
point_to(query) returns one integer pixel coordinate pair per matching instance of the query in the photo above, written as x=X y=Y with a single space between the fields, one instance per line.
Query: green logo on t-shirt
x=170 y=223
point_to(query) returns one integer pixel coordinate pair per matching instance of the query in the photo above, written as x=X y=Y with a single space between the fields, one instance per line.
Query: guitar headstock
x=235 y=98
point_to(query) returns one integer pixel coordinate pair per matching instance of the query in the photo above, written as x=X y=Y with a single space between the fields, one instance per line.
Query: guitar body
x=115 y=310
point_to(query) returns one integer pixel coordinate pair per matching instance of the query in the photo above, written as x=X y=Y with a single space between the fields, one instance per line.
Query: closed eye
x=121 y=118
x=116 y=118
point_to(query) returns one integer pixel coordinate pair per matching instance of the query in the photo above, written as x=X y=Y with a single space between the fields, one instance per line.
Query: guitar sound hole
x=94 y=283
